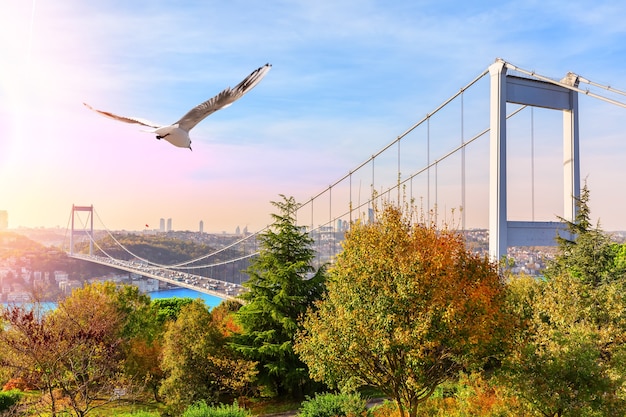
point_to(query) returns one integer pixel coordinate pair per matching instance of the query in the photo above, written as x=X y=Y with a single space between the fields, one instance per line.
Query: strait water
x=210 y=300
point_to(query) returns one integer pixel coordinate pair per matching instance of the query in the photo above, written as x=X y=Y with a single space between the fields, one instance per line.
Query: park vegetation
x=406 y=313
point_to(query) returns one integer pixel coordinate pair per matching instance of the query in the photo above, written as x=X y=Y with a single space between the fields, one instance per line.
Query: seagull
x=178 y=133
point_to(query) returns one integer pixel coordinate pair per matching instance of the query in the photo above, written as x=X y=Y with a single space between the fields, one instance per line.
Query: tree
x=282 y=285
x=571 y=340
x=76 y=350
x=569 y=351
x=26 y=350
x=407 y=306
x=585 y=252
x=88 y=327
x=197 y=362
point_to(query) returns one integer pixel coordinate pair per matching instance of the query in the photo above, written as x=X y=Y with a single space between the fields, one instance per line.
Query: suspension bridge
x=454 y=163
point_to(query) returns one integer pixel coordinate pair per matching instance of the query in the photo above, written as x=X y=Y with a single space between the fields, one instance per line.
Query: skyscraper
x=169 y=224
x=201 y=226
x=162 y=225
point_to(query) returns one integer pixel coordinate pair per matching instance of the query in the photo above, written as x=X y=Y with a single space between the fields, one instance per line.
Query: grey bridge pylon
x=562 y=96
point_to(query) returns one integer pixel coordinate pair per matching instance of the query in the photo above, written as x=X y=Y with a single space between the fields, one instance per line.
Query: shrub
x=334 y=405
x=18 y=383
x=201 y=409
x=9 y=398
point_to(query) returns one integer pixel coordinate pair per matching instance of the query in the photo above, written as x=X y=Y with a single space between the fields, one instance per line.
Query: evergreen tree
x=283 y=284
x=586 y=252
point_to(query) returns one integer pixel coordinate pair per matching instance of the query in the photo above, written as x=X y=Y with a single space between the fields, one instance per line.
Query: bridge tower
x=531 y=92
x=88 y=209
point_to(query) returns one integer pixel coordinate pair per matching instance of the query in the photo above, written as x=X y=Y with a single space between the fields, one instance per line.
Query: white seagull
x=178 y=133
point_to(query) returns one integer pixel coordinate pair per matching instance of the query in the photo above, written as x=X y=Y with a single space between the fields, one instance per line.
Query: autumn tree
x=570 y=345
x=563 y=363
x=27 y=350
x=197 y=361
x=282 y=285
x=89 y=326
x=407 y=307
x=143 y=344
x=79 y=348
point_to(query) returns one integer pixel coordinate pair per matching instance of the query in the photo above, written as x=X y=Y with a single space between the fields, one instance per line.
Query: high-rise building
x=169 y=224
x=162 y=225
x=201 y=226
x=4 y=220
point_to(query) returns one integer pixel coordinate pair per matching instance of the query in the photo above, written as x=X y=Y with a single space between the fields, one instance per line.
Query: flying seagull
x=178 y=133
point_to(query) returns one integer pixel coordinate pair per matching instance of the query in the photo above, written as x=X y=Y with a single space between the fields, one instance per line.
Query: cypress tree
x=283 y=284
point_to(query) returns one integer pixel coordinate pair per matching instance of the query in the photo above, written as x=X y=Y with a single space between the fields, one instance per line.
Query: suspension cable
x=180 y=264
x=159 y=266
x=430 y=165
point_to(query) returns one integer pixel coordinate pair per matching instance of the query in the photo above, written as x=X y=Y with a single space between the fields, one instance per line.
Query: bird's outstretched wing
x=134 y=120
x=223 y=99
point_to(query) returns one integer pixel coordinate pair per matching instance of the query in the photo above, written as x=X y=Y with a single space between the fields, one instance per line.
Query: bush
x=9 y=398
x=201 y=409
x=140 y=414
x=334 y=405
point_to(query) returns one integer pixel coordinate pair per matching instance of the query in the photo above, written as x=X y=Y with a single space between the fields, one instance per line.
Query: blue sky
x=348 y=77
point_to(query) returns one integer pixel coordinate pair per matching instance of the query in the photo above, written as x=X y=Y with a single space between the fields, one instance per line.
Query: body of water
x=209 y=300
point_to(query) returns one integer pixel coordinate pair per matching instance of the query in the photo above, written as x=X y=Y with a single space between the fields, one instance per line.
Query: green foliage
x=571 y=327
x=197 y=361
x=407 y=307
x=585 y=253
x=166 y=249
x=77 y=350
x=472 y=395
x=282 y=285
x=169 y=308
x=201 y=409
x=334 y=405
x=568 y=349
x=140 y=414
x=9 y=398
x=188 y=344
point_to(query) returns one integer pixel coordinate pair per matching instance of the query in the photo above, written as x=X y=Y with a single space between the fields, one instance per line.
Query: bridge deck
x=218 y=288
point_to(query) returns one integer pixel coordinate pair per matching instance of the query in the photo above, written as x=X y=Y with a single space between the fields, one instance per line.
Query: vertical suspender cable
x=399 y=173
x=350 y=198
x=428 y=165
x=436 y=209
x=462 y=165
x=532 y=161
x=331 y=250
x=373 y=183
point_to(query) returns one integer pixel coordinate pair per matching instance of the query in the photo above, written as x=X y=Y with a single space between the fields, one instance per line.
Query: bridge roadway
x=218 y=288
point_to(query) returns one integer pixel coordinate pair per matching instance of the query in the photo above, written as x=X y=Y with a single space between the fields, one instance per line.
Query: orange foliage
x=407 y=307
x=223 y=316
x=18 y=383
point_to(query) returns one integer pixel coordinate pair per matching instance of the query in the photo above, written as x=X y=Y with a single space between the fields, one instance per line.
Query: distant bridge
x=176 y=274
x=215 y=287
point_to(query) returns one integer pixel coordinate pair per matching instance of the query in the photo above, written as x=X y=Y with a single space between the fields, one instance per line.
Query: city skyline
x=347 y=79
